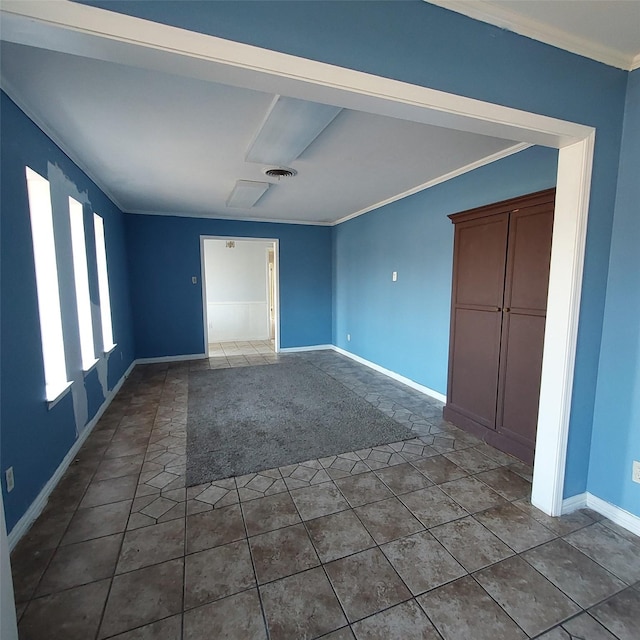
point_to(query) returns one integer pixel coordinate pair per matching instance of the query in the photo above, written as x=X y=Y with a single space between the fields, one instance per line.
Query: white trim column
x=8 y=623
x=561 y=329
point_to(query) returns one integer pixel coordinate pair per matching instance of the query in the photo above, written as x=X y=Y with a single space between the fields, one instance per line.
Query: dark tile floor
x=432 y=538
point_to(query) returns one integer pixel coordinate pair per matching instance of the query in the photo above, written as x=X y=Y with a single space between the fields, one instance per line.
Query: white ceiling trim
x=432 y=183
x=521 y=146
x=507 y=19
x=85 y=31
x=59 y=141
x=209 y=215
x=95 y=33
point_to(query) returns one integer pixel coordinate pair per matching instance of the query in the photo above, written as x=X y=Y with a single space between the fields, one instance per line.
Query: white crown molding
x=100 y=34
x=217 y=216
x=81 y=30
x=443 y=178
x=57 y=139
x=51 y=133
x=512 y=21
x=494 y=157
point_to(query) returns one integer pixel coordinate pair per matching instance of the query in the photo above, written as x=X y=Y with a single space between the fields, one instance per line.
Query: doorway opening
x=240 y=296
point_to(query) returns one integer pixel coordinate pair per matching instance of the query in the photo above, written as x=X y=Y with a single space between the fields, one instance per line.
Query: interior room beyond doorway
x=240 y=284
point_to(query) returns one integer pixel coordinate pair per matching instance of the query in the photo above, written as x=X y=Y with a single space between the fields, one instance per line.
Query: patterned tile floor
x=431 y=538
x=241 y=353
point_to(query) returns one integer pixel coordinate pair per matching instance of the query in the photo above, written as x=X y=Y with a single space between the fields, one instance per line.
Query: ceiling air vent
x=280 y=172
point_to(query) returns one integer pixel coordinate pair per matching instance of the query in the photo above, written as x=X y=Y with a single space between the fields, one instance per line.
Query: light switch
x=194 y=280
x=394 y=276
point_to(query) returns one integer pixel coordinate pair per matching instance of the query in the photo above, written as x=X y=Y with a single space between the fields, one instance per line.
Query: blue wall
x=423 y=44
x=33 y=439
x=616 y=433
x=164 y=254
x=404 y=325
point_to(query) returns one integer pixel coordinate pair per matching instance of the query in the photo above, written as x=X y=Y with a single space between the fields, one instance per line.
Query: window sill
x=110 y=350
x=90 y=367
x=52 y=402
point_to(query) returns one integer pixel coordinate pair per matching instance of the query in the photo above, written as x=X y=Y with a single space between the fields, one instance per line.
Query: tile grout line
x=112 y=579
x=322 y=564
x=556 y=535
x=58 y=545
x=78 y=506
x=253 y=566
x=184 y=539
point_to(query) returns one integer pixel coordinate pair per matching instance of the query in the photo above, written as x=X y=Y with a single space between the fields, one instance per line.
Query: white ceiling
x=167 y=144
x=174 y=143
x=604 y=30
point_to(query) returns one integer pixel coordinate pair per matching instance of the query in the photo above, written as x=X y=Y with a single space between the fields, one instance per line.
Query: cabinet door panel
x=521 y=367
x=529 y=256
x=473 y=367
x=480 y=247
x=479 y=270
x=526 y=287
x=500 y=287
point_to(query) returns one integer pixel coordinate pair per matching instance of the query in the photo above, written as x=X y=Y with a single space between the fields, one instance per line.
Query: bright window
x=44 y=252
x=103 y=284
x=81 y=278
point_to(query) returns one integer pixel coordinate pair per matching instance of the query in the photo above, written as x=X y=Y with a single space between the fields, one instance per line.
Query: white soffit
x=246 y=194
x=142 y=143
x=167 y=144
x=289 y=127
x=604 y=30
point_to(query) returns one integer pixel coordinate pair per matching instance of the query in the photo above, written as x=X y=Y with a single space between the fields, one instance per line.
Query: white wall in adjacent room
x=237 y=293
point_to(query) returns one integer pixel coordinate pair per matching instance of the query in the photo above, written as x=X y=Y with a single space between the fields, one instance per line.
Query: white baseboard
x=574 y=503
x=161 y=359
x=391 y=374
x=36 y=507
x=314 y=347
x=626 y=520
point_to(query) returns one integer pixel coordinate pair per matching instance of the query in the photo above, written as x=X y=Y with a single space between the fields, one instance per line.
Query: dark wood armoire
x=500 y=281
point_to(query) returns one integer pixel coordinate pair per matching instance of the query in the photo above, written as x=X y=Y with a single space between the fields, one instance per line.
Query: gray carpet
x=248 y=419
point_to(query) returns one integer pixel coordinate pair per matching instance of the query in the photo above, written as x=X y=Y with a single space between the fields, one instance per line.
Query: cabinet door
x=525 y=303
x=478 y=288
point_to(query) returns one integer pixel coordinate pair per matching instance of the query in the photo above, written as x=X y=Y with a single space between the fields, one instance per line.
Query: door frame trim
x=568 y=247
x=276 y=293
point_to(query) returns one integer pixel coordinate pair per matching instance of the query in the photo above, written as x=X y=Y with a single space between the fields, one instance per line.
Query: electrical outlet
x=9 y=477
x=394 y=276
x=348 y=337
x=194 y=280
x=636 y=471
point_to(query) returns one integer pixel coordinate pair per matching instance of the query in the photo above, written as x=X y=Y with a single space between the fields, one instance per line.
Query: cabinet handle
x=507 y=309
